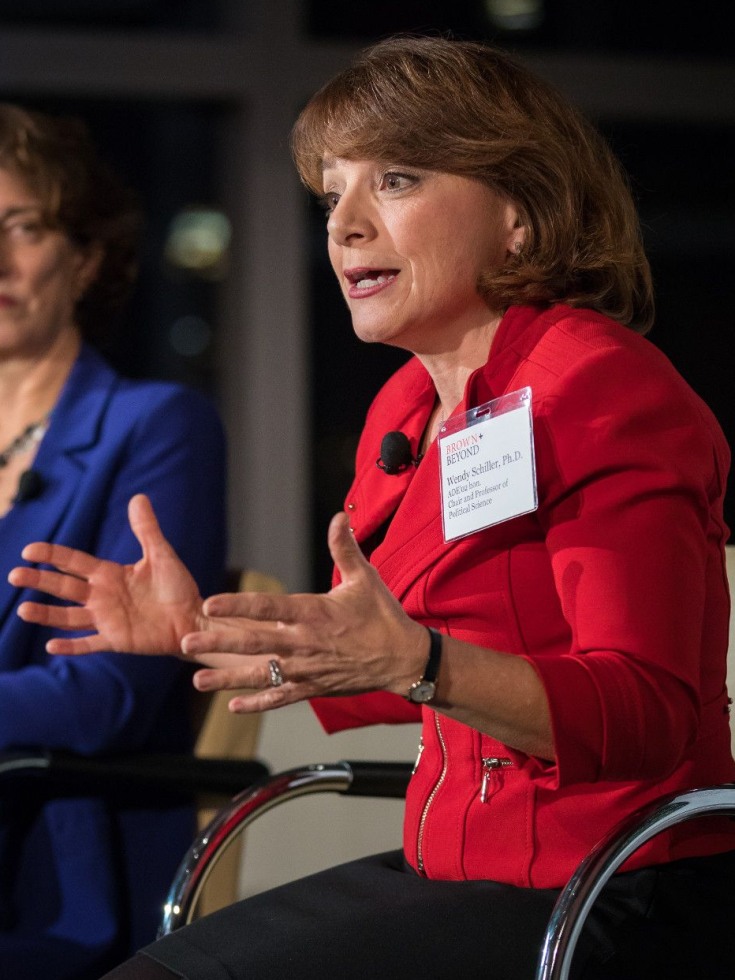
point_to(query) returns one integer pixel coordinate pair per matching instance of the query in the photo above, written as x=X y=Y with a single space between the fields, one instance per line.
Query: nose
x=350 y=221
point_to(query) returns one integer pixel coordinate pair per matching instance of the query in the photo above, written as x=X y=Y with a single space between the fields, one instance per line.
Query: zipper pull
x=489 y=765
x=418 y=757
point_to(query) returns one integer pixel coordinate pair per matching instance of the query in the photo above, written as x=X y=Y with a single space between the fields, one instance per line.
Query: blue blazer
x=61 y=873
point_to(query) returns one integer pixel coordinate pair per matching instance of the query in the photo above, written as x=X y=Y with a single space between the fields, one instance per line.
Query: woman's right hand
x=142 y=608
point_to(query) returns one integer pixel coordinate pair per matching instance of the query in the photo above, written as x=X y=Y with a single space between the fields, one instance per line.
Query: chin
x=369 y=333
x=378 y=331
x=370 y=336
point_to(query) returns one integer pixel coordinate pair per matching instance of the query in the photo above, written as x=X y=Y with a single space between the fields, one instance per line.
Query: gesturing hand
x=142 y=608
x=353 y=639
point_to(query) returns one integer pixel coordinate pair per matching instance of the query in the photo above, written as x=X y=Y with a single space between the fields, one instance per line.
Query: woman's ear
x=517 y=239
x=88 y=267
x=516 y=236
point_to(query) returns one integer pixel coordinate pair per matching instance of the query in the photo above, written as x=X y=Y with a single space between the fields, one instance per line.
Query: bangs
x=395 y=104
x=33 y=158
x=352 y=125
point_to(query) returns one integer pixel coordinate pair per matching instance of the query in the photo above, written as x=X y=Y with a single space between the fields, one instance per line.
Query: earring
x=517 y=246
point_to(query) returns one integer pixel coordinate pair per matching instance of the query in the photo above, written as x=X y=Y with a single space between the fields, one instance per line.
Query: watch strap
x=435 y=655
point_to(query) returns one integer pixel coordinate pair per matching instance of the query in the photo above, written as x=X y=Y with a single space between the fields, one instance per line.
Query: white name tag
x=487 y=466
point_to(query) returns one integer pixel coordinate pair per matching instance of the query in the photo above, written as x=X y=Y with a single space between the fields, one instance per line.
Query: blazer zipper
x=418 y=756
x=432 y=794
x=491 y=764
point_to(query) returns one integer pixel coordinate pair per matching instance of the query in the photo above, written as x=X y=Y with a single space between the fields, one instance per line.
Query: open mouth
x=369 y=278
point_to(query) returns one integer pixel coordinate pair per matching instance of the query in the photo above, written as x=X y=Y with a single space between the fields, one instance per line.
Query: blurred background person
x=76 y=440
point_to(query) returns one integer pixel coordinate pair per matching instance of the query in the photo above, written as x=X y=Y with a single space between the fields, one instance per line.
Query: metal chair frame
x=578 y=896
x=381 y=779
x=384 y=779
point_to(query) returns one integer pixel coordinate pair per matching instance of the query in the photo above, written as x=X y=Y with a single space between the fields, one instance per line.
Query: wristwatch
x=423 y=690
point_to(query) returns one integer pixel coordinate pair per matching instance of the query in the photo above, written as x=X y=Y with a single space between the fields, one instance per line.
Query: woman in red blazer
x=530 y=559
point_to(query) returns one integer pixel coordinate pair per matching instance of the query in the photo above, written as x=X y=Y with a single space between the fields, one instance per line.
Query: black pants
x=374 y=918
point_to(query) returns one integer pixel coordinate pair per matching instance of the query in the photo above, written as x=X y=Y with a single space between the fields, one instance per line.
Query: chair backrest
x=223 y=735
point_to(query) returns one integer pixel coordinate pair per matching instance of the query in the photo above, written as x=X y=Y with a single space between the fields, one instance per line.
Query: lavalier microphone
x=30 y=486
x=395 y=454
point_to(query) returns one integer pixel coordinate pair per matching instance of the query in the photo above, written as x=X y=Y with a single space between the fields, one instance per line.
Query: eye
x=23 y=229
x=395 y=180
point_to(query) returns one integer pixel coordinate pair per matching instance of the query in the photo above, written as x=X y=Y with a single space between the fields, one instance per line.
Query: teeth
x=369 y=283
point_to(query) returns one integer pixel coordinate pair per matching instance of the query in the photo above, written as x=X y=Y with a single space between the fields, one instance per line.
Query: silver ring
x=275 y=672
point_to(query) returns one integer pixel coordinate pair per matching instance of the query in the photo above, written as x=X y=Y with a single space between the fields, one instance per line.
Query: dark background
x=682 y=176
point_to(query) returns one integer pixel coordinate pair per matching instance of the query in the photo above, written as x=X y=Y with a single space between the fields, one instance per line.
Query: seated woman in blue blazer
x=76 y=441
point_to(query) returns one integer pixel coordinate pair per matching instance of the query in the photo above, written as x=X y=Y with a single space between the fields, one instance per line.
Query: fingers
x=255 y=606
x=61 y=586
x=67 y=560
x=344 y=549
x=262 y=701
x=253 y=676
x=263 y=698
x=63 y=617
x=144 y=524
x=238 y=639
x=77 y=645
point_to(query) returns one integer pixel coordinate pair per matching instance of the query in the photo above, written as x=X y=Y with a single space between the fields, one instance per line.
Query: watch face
x=422 y=691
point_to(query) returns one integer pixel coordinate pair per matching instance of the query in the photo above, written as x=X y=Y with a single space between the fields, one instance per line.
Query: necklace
x=32 y=433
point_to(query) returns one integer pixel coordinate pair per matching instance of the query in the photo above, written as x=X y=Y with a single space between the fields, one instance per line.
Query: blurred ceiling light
x=515 y=15
x=198 y=242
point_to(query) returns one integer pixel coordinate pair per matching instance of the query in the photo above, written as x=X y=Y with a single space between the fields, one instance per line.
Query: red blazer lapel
x=415 y=538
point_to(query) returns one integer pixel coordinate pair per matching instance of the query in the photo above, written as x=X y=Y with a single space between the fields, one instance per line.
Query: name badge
x=487 y=465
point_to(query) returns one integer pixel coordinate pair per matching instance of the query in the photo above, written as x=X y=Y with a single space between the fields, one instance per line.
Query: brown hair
x=466 y=108
x=82 y=197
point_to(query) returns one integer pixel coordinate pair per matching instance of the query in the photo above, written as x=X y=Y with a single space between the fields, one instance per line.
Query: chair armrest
x=379 y=779
x=385 y=780
x=128 y=775
x=577 y=898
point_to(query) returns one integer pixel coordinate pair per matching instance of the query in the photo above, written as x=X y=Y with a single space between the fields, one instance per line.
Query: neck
x=450 y=369
x=30 y=385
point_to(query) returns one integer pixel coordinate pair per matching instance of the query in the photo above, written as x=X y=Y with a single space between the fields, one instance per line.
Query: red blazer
x=614 y=589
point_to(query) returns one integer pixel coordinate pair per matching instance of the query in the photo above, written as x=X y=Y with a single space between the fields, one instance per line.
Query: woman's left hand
x=353 y=639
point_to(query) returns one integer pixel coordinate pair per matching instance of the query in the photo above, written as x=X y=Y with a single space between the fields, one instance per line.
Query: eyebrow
x=20 y=209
